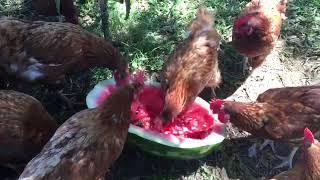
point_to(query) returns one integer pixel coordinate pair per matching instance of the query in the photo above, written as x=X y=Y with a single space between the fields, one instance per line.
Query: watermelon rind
x=166 y=145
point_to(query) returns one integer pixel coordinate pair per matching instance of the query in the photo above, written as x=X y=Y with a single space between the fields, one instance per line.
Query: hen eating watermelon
x=192 y=134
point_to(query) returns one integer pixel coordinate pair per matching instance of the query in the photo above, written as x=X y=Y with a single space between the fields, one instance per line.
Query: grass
x=152 y=32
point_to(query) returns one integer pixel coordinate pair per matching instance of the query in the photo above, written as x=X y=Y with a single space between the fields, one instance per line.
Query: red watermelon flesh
x=194 y=122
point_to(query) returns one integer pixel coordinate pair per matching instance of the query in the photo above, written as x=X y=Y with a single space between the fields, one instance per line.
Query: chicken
x=87 y=144
x=192 y=66
x=309 y=167
x=47 y=51
x=279 y=114
x=257 y=29
x=25 y=127
x=311 y=155
x=50 y=8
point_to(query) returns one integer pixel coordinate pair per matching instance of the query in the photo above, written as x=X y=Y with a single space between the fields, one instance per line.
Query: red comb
x=308 y=136
x=215 y=105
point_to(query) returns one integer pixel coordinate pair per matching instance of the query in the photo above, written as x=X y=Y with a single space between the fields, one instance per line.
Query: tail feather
x=204 y=21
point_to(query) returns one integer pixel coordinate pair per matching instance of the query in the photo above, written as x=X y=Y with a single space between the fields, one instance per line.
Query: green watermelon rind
x=168 y=146
x=157 y=149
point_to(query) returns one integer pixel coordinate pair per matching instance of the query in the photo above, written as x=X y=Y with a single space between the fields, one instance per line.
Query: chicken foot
x=252 y=151
x=287 y=160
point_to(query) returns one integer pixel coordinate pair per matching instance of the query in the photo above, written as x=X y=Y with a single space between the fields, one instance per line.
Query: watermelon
x=193 y=134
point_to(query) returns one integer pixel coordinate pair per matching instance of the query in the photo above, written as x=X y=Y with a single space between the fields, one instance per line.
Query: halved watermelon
x=166 y=142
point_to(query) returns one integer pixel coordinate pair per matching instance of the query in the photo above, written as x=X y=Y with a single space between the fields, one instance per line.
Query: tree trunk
x=128 y=8
x=104 y=14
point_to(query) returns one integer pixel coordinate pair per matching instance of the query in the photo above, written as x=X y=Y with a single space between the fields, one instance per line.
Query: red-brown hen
x=48 y=51
x=279 y=114
x=308 y=168
x=257 y=29
x=88 y=143
x=25 y=127
x=192 y=66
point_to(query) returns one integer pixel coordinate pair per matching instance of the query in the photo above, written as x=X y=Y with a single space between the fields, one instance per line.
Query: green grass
x=301 y=30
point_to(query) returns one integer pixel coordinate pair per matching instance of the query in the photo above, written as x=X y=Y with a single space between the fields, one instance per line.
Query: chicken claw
x=266 y=143
x=287 y=160
x=252 y=151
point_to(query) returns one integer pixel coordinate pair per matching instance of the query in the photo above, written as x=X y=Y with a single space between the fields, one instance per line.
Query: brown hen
x=192 y=66
x=47 y=51
x=87 y=144
x=50 y=8
x=257 y=29
x=279 y=114
x=25 y=127
x=309 y=167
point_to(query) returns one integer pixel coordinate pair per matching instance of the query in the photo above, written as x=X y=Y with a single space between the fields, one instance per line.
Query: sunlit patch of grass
x=301 y=30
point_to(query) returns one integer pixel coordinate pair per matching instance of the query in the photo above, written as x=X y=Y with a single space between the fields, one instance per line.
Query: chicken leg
x=266 y=143
x=287 y=160
x=58 y=5
x=17 y=168
x=252 y=151
x=246 y=67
